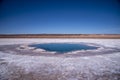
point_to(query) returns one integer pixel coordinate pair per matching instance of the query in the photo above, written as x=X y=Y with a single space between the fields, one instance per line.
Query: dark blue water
x=63 y=47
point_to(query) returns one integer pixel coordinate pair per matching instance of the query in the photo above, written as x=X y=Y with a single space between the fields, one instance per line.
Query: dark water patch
x=63 y=47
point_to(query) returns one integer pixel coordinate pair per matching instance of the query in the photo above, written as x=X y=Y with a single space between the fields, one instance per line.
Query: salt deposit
x=98 y=67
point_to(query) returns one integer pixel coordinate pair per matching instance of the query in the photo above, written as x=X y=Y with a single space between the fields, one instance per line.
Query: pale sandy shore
x=25 y=67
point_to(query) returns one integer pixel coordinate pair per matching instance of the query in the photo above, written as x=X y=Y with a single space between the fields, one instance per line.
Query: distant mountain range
x=104 y=36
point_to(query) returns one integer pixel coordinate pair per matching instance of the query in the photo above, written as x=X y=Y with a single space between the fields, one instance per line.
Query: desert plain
x=32 y=64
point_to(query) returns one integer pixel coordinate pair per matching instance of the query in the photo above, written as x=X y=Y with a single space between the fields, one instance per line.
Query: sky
x=59 y=16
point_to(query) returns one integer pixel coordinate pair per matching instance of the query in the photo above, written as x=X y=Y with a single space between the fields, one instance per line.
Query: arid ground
x=93 y=36
x=34 y=64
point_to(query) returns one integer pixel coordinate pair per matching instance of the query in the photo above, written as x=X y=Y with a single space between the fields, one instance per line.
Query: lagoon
x=63 y=47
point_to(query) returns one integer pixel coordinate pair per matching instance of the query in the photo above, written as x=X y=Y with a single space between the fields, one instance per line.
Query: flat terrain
x=100 y=36
x=14 y=66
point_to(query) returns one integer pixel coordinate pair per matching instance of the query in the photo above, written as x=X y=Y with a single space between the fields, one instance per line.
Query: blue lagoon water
x=63 y=47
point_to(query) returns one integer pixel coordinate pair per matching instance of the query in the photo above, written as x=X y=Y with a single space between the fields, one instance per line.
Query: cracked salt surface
x=98 y=67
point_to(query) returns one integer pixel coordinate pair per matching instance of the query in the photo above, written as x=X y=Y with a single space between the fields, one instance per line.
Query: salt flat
x=25 y=67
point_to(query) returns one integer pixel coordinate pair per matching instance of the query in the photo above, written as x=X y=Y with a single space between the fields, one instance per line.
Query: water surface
x=63 y=47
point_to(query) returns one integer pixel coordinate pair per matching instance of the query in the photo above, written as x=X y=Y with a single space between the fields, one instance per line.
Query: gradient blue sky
x=60 y=16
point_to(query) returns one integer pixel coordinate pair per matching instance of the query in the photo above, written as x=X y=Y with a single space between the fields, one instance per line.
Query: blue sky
x=60 y=16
